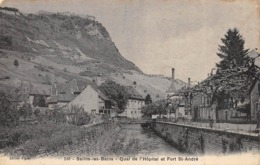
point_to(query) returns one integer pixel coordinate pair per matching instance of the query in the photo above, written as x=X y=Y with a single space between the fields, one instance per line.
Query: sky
x=158 y=35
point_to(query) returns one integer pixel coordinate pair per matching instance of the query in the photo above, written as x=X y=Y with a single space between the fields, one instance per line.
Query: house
x=224 y=110
x=176 y=109
x=92 y=101
x=174 y=97
x=134 y=104
x=87 y=96
x=20 y=99
x=201 y=109
x=31 y=93
x=104 y=104
x=62 y=94
x=39 y=91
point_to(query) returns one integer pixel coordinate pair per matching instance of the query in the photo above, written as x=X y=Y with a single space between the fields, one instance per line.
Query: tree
x=235 y=74
x=16 y=63
x=117 y=93
x=232 y=53
x=39 y=101
x=148 y=99
x=25 y=111
x=8 y=113
x=156 y=108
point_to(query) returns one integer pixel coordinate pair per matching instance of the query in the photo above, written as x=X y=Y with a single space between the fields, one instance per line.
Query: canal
x=150 y=143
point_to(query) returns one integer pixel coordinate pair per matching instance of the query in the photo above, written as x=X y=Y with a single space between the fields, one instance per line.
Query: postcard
x=129 y=82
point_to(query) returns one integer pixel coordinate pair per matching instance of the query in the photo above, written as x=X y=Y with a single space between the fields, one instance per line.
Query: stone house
x=40 y=91
x=92 y=101
x=134 y=104
x=29 y=93
x=200 y=107
x=62 y=94
x=224 y=109
x=87 y=96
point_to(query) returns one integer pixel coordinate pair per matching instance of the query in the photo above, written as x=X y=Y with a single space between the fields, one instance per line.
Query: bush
x=16 y=63
x=8 y=113
x=25 y=111
x=5 y=41
x=76 y=115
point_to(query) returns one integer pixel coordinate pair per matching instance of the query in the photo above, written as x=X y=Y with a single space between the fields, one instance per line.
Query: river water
x=150 y=143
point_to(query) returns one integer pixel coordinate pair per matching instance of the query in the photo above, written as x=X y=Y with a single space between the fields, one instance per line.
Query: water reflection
x=150 y=143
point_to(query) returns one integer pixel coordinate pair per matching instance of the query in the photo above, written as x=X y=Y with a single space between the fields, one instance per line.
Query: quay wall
x=196 y=140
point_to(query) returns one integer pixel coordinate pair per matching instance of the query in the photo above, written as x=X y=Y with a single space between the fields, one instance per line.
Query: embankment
x=196 y=140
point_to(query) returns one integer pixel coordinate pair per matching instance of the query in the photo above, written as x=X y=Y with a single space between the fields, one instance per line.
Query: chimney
x=189 y=82
x=173 y=74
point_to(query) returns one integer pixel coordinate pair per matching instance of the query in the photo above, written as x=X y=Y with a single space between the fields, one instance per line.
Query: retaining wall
x=190 y=139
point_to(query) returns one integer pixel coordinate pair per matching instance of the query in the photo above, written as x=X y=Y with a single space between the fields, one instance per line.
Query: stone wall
x=190 y=139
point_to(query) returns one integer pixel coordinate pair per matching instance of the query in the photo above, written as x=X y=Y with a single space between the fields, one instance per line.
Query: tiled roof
x=103 y=96
x=133 y=93
x=40 y=89
x=64 y=92
x=67 y=97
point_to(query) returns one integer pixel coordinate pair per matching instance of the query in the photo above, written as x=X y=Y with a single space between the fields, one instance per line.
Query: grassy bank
x=54 y=139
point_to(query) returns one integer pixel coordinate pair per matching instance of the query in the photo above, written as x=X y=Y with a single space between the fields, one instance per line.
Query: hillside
x=63 y=38
x=58 y=47
x=156 y=86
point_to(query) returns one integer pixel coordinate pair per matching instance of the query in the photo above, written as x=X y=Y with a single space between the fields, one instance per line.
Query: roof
x=103 y=96
x=67 y=97
x=100 y=93
x=64 y=92
x=40 y=89
x=72 y=86
x=133 y=93
x=172 y=88
x=68 y=91
x=20 y=97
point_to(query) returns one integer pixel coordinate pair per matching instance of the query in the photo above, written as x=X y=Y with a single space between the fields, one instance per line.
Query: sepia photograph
x=130 y=82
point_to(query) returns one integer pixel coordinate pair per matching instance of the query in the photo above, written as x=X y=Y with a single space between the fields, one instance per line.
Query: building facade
x=134 y=104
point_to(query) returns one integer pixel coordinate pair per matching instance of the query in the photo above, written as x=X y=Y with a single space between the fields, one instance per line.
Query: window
x=131 y=112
